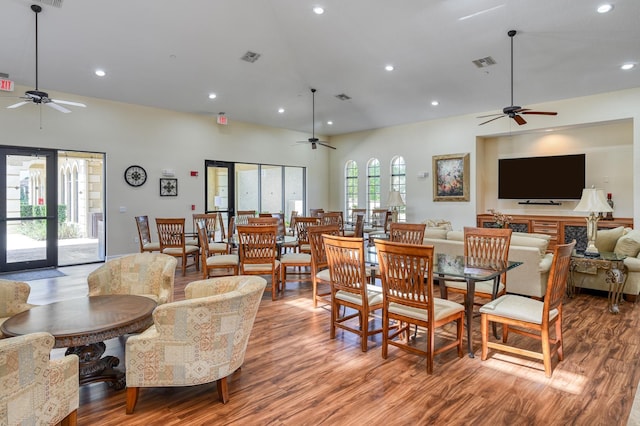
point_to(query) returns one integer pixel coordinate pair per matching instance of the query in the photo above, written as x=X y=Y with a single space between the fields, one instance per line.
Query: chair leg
x=385 y=333
x=559 y=339
x=71 y=419
x=484 y=331
x=223 y=390
x=132 y=399
x=546 y=352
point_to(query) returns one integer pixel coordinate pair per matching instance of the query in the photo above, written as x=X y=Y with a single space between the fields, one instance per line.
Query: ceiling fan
x=37 y=96
x=514 y=111
x=313 y=140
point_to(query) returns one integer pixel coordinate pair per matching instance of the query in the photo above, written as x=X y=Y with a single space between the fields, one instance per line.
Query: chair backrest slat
x=345 y=256
x=488 y=244
x=171 y=232
x=257 y=244
x=408 y=233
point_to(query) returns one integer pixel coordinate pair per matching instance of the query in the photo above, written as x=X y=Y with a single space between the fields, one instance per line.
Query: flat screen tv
x=560 y=177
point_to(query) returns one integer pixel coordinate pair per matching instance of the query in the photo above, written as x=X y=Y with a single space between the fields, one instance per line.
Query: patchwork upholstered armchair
x=13 y=299
x=198 y=340
x=145 y=274
x=36 y=390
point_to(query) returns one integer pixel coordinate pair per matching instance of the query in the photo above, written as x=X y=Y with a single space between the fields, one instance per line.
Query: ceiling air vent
x=54 y=3
x=343 y=97
x=250 y=56
x=484 y=62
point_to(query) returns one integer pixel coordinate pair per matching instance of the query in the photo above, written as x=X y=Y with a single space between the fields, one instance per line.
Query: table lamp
x=395 y=201
x=592 y=202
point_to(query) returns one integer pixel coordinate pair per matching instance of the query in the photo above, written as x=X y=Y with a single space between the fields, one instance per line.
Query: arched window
x=399 y=183
x=76 y=194
x=373 y=185
x=351 y=188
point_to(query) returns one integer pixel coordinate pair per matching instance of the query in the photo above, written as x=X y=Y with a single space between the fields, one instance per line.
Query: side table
x=614 y=267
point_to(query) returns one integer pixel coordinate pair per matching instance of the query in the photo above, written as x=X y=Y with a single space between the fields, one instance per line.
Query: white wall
x=419 y=142
x=157 y=139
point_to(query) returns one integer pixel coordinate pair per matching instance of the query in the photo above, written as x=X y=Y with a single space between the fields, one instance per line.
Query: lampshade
x=395 y=199
x=593 y=201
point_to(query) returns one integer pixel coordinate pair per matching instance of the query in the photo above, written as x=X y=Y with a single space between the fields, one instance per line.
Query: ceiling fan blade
x=519 y=120
x=58 y=107
x=19 y=104
x=325 y=144
x=78 y=104
x=489 y=115
x=493 y=119
x=540 y=112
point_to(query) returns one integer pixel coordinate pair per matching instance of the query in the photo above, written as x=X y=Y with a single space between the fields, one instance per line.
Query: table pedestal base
x=95 y=368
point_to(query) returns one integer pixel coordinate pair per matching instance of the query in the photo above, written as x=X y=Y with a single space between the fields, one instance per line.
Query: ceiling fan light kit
x=37 y=96
x=514 y=111
x=313 y=140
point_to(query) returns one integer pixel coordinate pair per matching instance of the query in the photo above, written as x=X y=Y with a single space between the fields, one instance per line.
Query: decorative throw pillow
x=435 y=232
x=606 y=239
x=629 y=244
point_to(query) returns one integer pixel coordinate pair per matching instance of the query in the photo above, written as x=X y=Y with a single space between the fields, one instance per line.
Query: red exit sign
x=6 y=85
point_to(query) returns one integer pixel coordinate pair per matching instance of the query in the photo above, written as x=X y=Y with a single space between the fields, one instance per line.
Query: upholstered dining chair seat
x=295 y=258
x=518 y=308
x=442 y=308
x=151 y=246
x=324 y=275
x=374 y=295
x=222 y=259
x=191 y=242
x=175 y=251
x=481 y=286
x=256 y=267
x=218 y=247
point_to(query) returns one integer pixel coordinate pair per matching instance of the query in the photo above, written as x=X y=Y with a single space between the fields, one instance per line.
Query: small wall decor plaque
x=168 y=187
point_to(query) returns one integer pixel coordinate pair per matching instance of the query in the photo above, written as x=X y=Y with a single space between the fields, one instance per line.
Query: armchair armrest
x=632 y=264
x=62 y=389
x=99 y=281
x=545 y=262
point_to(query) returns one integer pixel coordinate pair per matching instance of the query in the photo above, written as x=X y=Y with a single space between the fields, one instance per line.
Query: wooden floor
x=294 y=374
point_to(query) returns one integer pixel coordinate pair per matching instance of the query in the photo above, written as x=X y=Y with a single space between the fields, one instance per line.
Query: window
x=373 y=185
x=399 y=183
x=351 y=188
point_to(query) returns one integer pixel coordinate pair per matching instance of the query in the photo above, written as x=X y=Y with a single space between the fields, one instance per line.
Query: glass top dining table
x=469 y=269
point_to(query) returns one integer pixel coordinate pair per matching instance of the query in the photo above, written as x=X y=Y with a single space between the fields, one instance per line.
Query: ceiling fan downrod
x=37 y=9
x=511 y=34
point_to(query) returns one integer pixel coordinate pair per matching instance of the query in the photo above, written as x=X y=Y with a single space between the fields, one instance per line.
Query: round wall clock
x=135 y=176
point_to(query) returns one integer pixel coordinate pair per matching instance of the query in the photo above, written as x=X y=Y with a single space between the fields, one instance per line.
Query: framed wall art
x=168 y=187
x=451 y=177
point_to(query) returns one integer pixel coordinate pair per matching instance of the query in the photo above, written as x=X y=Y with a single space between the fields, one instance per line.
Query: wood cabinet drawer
x=545 y=227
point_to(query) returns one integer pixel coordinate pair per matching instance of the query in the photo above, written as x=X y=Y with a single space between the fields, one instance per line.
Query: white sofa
x=625 y=241
x=528 y=279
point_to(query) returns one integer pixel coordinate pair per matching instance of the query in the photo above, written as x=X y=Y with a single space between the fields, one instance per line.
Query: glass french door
x=28 y=209
x=220 y=189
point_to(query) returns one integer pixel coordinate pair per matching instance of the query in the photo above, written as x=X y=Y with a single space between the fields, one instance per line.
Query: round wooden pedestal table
x=83 y=324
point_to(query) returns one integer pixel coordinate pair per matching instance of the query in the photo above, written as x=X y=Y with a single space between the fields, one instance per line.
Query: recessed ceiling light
x=100 y=73
x=318 y=10
x=330 y=123
x=389 y=67
x=212 y=96
x=280 y=110
x=604 y=8
x=435 y=103
x=627 y=67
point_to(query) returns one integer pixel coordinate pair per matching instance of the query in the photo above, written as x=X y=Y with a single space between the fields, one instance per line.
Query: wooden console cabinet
x=561 y=229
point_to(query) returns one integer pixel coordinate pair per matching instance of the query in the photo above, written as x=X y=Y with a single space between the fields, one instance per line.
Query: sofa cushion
x=629 y=244
x=437 y=223
x=540 y=243
x=606 y=238
x=435 y=232
x=455 y=235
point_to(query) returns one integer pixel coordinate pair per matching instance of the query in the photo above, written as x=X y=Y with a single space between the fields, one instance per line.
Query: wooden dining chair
x=172 y=242
x=144 y=235
x=316 y=212
x=211 y=223
x=349 y=288
x=407 y=285
x=302 y=223
x=489 y=244
x=213 y=260
x=270 y=220
x=258 y=253
x=328 y=218
x=530 y=317
x=358 y=230
x=291 y=229
x=319 y=266
x=408 y=233
x=242 y=216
